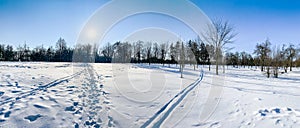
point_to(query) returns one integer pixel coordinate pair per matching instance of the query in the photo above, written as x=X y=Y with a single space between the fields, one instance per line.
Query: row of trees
x=242 y=59
x=191 y=52
x=149 y=52
x=61 y=53
x=211 y=48
x=137 y=52
x=196 y=52
x=270 y=59
x=277 y=57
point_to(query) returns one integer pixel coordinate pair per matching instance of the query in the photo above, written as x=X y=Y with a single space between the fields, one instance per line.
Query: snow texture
x=138 y=95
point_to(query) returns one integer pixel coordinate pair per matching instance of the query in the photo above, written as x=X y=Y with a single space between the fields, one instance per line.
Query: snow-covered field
x=126 y=95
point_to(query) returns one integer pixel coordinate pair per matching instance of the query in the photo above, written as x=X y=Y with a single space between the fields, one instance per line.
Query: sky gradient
x=43 y=21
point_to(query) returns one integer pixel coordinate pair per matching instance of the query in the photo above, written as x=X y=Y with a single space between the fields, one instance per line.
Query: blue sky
x=43 y=21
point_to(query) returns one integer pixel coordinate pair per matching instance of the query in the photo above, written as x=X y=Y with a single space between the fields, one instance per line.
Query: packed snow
x=38 y=94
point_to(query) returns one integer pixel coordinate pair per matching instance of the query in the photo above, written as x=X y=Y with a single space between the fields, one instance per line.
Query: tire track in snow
x=161 y=115
x=40 y=88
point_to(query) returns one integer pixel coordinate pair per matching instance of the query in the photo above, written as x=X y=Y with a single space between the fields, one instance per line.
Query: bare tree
x=219 y=36
x=284 y=56
x=122 y=53
x=155 y=50
x=243 y=59
x=276 y=58
x=182 y=57
x=163 y=52
x=172 y=53
x=108 y=51
x=191 y=53
x=20 y=53
x=291 y=53
x=262 y=51
x=177 y=52
x=61 y=47
x=210 y=50
x=148 y=51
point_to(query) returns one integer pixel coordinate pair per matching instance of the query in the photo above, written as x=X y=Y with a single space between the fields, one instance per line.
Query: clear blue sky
x=43 y=21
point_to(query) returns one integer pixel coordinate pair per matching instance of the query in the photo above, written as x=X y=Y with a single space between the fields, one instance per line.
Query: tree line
x=149 y=52
x=61 y=53
x=119 y=52
x=196 y=52
x=271 y=60
x=211 y=48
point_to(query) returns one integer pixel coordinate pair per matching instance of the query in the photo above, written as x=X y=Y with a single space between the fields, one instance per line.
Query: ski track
x=40 y=88
x=166 y=110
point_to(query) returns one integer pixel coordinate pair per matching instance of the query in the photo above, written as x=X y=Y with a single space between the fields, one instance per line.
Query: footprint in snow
x=1 y=120
x=108 y=76
x=71 y=108
x=40 y=106
x=71 y=86
x=7 y=114
x=1 y=93
x=32 y=118
x=17 y=84
x=285 y=117
x=15 y=91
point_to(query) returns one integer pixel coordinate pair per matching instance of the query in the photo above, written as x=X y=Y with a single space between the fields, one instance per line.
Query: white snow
x=138 y=95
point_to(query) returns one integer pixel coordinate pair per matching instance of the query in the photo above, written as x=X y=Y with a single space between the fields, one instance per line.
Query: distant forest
x=191 y=52
x=137 y=52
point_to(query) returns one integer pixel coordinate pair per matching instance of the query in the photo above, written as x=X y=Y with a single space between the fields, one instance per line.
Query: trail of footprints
x=94 y=105
x=277 y=116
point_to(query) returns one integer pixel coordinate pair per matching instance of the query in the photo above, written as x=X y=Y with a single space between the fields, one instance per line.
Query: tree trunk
x=217 y=68
x=268 y=72
x=276 y=72
x=181 y=70
x=217 y=63
x=262 y=65
x=291 y=64
x=285 y=69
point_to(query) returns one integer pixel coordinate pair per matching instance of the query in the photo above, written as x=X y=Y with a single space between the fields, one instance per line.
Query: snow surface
x=138 y=95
